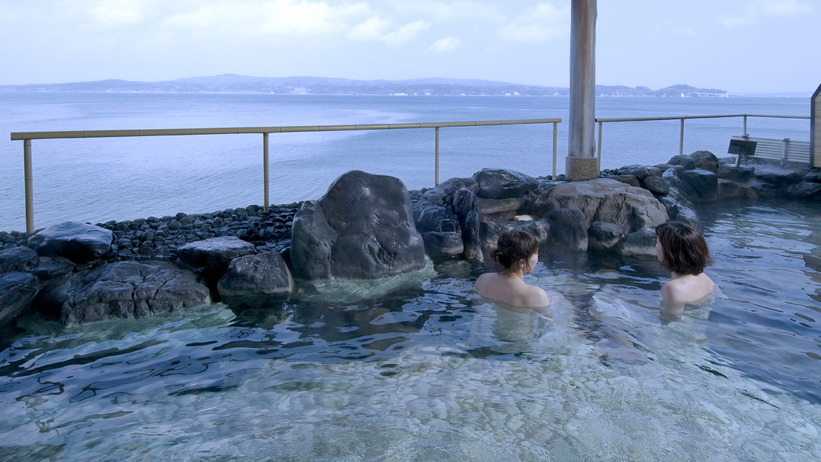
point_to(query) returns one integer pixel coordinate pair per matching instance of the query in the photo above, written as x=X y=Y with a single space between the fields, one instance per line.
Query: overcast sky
x=734 y=45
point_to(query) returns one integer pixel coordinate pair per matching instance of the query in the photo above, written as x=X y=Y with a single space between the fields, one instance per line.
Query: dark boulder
x=503 y=184
x=438 y=194
x=705 y=160
x=641 y=172
x=641 y=242
x=777 y=176
x=699 y=185
x=728 y=172
x=672 y=177
x=18 y=258
x=361 y=229
x=685 y=161
x=80 y=243
x=605 y=200
x=603 y=236
x=805 y=190
x=813 y=176
x=51 y=268
x=464 y=205
x=440 y=229
x=264 y=275
x=626 y=179
x=729 y=188
x=656 y=185
x=126 y=290
x=17 y=290
x=568 y=230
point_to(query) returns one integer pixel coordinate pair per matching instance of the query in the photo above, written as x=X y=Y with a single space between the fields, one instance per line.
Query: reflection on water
x=435 y=372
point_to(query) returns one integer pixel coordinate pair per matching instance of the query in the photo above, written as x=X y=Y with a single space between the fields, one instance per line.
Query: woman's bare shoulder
x=537 y=297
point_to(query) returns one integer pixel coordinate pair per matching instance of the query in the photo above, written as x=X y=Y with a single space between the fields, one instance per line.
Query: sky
x=741 y=46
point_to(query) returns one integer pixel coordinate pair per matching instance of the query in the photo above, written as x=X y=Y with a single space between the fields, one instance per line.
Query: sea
x=100 y=179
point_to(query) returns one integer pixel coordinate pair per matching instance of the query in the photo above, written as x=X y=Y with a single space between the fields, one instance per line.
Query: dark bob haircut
x=683 y=248
x=514 y=245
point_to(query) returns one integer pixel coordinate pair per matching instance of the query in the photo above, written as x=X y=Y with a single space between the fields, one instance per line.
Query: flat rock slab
x=503 y=184
x=214 y=252
x=18 y=258
x=127 y=290
x=17 y=290
x=79 y=242
x=776 y=175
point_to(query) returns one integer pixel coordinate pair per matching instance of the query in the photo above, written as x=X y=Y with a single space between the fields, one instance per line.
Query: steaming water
x=437 y=373
x=103 y=179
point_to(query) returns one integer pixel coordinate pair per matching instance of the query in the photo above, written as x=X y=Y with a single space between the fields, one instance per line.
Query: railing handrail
x=26 y=137
x=717 y=116
x=17 y=136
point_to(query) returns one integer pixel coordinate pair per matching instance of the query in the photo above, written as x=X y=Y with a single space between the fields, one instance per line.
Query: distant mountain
x=232 y=83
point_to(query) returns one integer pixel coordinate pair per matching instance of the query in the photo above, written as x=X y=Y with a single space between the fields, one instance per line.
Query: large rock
x=568 y=229
x=685 y=161
x=728 y=172
x=361 y=229
x=656 y=185
x=126 y=290
x=50 y=268
x=464 y=205
x=438 y=194
x=603 y=236
x=607 y=200
x=777 y=176
x=80 y=243
x=806 y=190
x=18 y=258
x=440 y=230
x=699 y=185
x=214 y=252
x=729 y=188
x=626 y=179
x=705 y=160
x=490 y=231
x=17 y=290
x=641 y=242
x=503 y=184
x=263 y=275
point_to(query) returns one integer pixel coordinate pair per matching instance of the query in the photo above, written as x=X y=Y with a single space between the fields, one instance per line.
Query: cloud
x=459 y=9
x=274 y=18
x=111 y=13
x=378 y=29
x=444 y=45
x=542 y=23
x=765 y=8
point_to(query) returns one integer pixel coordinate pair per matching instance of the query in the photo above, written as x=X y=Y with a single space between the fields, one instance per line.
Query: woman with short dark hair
x=517 y=252
x=681 y=248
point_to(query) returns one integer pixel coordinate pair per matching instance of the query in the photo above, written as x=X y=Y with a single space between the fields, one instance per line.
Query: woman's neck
x=513 y=273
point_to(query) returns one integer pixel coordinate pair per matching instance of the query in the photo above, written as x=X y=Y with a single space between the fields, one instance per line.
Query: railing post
x=29 y=191
x=786 y=146
x=745 y=126
x=436 y=177
x=681 y=139
x=265 y=169
x=555 y=148
x=598 y=154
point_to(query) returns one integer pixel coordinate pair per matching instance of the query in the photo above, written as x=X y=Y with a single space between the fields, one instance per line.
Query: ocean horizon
x=98 y=180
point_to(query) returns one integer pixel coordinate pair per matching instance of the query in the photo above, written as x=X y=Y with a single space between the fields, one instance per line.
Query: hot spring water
x=437 y=373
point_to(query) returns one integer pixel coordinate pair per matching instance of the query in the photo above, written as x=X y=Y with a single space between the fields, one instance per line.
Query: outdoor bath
x=435 y=373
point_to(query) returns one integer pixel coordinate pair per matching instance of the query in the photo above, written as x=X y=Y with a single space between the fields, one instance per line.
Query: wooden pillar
x=581 y=162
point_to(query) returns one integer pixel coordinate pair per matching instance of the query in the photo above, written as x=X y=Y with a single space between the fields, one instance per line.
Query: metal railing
x=682 y=119
x=26 y=137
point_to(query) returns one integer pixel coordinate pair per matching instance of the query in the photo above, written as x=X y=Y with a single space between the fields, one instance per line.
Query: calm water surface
x=97 y=180
x=433 y=372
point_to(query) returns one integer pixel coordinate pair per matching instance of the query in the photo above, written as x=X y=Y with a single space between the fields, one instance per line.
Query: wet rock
x=504 y=184
x=603 y=236
x=440 y=230
x=728 y=188
x=437 y=195
x=17 y=290
x=813 y=176
x=705 y=160
x=685 y=161
x=443 y=245
x=641 y=242
x=490 y=231
x=805 y=190
x=50 y=268
x=18 y=258
x=568 y=229
x=464 y=205
x=605 y=200
x=626 y=179
x=214 y=252
x=126 y=290
x=699 y=185
x=78 y=242
x=643 y=171
x=362 y=228
x=656 y=185
x=728 y=172
x=265 y=275
x=777 y=176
